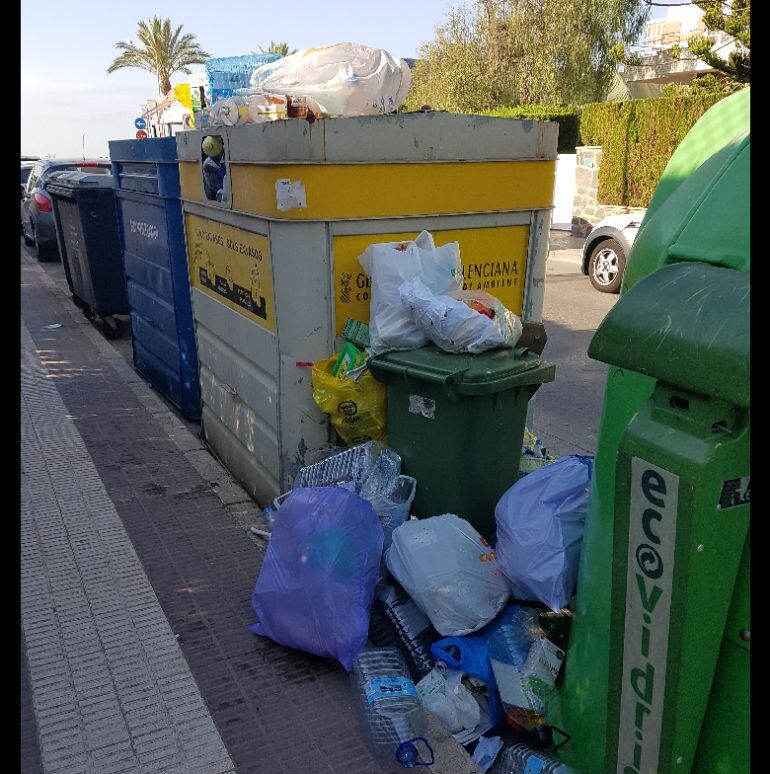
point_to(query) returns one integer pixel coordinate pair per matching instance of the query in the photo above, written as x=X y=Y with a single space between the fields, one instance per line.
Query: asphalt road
x=566 y=412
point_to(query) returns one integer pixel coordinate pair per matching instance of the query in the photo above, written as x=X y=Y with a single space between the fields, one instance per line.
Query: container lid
x=398 y=137
x=488 y=372
x=687 y=325
x=64 y=182
x=151 y=149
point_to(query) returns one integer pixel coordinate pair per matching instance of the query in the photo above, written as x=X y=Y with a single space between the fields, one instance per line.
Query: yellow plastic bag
x=358 y=410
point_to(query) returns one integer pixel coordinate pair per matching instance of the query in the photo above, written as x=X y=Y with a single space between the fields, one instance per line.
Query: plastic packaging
x=540 y=523
x=358 y=408
x=454 y=704
x=392 y=509
x=349 y=358
x=471 y=655
x=450 y=571
x=226 y=74
x=487 y=751
x=316 y=584
x=533 y=454
x=389 y=265
x=521 y=759
x=393 y=719
x=344 y=79
x=462 y=321
x=524 y=663
x=356 y=332
x=396 y=621
x=370 y=469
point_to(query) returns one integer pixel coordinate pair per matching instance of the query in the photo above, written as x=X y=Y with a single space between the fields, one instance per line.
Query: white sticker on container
x=290 y=194
x=426 y=407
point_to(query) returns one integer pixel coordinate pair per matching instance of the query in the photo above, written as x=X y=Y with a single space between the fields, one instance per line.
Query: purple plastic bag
x=316 y=585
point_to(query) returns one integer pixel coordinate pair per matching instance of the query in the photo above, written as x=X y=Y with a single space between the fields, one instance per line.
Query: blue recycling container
x=146 y=175
x=87 y=233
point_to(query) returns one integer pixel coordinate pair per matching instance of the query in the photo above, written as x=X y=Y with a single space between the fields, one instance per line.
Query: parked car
x=606 y=250
x=37 y=221
x=26 y=168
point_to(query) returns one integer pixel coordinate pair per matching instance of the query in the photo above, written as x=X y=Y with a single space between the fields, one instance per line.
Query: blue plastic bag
x=316 y=584
x=540 y=522
x=470 y=654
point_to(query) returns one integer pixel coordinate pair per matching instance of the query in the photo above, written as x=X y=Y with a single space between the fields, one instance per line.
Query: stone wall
x=586 y=210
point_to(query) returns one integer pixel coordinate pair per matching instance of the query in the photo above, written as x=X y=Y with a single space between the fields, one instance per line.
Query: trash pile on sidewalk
x=344 y=79
x=419 y=611
x=426 y=613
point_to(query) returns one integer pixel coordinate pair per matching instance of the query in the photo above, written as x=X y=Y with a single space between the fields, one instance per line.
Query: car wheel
x=606 y=266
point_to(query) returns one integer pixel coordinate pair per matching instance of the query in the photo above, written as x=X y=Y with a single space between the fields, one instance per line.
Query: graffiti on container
x=148 y=230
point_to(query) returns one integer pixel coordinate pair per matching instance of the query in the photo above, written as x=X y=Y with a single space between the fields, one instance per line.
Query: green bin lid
x=488 y=372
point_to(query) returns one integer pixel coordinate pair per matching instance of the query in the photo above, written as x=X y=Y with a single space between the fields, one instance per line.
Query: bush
x=568 y=118
x=638 y=138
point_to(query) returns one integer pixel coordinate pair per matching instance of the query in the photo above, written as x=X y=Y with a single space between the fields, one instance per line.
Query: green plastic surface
x=458 y=423
x=483 y=374
x=700 y=213
x=696 y=340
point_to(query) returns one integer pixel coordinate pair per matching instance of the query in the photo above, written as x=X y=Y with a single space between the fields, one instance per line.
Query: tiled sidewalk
x=153 y=492
x=112 y=691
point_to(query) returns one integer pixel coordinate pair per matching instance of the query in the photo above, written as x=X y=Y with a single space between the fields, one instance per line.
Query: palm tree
x=277 y=48
x=161 y=52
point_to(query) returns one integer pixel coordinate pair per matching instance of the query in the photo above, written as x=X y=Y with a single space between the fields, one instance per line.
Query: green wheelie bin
x=458 y=423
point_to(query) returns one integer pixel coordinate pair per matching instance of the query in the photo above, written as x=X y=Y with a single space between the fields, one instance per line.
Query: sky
x=66 y=48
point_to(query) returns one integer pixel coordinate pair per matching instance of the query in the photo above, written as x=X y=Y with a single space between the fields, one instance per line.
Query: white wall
x=564 y=191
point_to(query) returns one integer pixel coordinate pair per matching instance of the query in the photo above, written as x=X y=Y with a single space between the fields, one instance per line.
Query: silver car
x=37 y=220
x=606 y=250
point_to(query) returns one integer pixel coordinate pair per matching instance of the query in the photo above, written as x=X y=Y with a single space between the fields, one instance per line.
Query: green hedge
x=567 y=117
x=638 y=138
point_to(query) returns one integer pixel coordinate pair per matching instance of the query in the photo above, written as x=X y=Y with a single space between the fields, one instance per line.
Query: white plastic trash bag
x=450 y=700
x=389 y=265
x=465 y=321
x=450 y=572
x=540 y=522
x=340 y=80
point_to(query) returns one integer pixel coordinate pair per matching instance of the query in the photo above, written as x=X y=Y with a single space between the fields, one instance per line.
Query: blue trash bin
x=146 y=175
x=87 y=233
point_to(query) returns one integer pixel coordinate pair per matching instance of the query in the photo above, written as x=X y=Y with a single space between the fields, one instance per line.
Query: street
x=567 y=411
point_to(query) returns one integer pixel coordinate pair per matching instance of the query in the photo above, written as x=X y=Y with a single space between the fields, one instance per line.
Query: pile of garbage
x=425 y=614
x=345 y=79
x=417 y=299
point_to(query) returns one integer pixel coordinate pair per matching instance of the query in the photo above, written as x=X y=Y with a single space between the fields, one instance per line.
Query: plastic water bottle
x=395 y=621
x=510 y=636
x=520 y=759
x=393 y=718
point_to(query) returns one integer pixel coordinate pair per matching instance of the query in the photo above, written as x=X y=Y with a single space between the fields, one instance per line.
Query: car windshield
x=25 y=174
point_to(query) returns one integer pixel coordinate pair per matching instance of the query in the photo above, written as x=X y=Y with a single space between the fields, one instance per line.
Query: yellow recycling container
x=275 y=221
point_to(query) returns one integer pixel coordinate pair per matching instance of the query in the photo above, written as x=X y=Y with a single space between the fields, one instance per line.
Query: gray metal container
x=273 y=264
